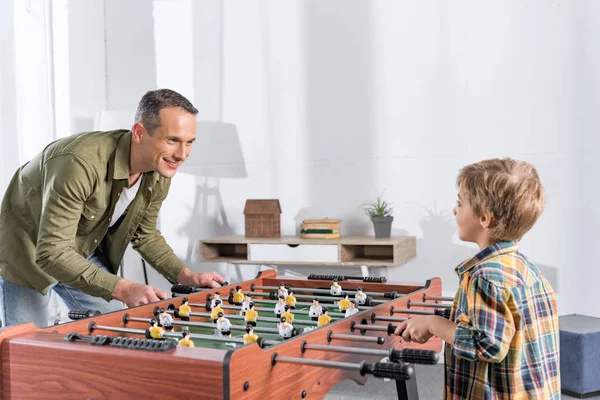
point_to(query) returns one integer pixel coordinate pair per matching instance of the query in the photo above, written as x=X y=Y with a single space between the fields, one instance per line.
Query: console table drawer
x=316 y=253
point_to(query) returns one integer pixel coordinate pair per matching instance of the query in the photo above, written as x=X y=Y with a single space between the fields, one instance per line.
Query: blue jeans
x=21 y=305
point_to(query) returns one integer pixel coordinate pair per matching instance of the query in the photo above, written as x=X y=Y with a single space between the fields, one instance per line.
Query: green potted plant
x=380 y=212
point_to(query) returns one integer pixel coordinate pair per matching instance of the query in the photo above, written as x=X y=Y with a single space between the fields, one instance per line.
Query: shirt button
x=95 y=240
x=92 y=217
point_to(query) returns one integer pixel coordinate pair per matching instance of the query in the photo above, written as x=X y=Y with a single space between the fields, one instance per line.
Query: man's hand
x=190 y=278
x=135 y=294
x=417 y=329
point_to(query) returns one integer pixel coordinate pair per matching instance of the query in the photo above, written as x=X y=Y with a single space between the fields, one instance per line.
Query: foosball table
x=113 y=356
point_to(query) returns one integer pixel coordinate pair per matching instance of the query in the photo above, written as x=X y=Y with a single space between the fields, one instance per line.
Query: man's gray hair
x=148 y=111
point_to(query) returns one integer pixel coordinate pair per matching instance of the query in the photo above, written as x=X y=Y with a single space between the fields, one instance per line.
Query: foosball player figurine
x=246 y=304
x=282 y=291
x=184 y=309
x=250 y=336
x=251 y=315
x=315 y=311
x=287 y=314
x=351 y=310
x=279 y=307
x=360 y=297
x=186 y=341
x=290 y=300
x=214 y=313
x=335 y=289
x=165 y=320
x=344 y=303
x=223 y=325
x=238 y=296
x=213 y=301
x=324 y=319
x=285 y=328
x=156 y=332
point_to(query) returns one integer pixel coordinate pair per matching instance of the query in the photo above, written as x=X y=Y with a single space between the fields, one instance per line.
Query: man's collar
x=489 y=252
x=122 y=157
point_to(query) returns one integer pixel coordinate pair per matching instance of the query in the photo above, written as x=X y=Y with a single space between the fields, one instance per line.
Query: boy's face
x=468 y=224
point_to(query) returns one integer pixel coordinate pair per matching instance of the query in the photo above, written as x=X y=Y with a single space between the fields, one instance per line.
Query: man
x=68 y=215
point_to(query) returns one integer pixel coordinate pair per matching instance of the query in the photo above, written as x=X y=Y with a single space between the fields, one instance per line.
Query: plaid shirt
x=506 y=343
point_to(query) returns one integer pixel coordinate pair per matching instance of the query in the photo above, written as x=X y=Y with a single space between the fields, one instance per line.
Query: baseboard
x=579 y=395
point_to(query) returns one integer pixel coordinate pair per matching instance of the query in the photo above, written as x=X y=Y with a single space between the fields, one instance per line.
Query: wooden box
x=262 y=218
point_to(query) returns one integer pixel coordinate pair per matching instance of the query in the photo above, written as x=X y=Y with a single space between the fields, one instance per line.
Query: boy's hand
x=416 y=329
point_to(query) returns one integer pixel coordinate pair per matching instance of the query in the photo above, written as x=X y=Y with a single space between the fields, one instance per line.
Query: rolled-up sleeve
x=486 y=333
x=152 y=246
x=68 y=182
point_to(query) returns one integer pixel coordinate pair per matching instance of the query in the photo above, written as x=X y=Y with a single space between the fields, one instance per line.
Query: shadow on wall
x=217 y=155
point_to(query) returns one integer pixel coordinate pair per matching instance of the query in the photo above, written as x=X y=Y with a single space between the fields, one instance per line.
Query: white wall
x=336 y=101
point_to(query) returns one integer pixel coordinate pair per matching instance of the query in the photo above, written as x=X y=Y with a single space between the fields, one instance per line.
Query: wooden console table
x=346 y=251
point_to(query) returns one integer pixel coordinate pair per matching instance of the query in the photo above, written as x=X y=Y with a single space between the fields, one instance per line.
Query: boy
x=502 y=336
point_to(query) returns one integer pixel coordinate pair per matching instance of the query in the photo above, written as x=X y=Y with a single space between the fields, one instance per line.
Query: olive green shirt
x=57 y=209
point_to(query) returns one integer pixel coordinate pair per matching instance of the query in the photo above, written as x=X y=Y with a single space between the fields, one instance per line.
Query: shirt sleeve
x=68 y=182
x=152 y=246
x=486 y=332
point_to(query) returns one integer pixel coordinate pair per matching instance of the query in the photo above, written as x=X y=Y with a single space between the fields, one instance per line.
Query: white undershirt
x=125 y=199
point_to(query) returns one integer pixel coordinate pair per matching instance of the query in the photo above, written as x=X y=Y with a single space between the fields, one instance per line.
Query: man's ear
x=486 y=220
x=138 y=131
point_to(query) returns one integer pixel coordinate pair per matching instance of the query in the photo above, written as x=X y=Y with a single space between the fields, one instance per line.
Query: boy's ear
x=486 y=220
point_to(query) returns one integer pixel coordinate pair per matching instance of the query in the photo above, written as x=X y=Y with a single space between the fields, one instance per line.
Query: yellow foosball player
x=238 y=296
x=290 y=300
x=324 y=319
x=156 y=332
x=184 y=309
x=344 y=303
x=214 y=313
x=250 y=336
x=287 y=314
x=251 y=315
x=186 y=341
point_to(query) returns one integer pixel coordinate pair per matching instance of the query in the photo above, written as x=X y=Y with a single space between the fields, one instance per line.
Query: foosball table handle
x=81 y=313
x=396 y=371
x=184 y=289
x=414 y=356
x=445 y=312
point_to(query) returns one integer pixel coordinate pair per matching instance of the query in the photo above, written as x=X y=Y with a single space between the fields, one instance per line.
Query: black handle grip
x=391 y=329
x=183 y=289
x=390 y=295
x=323 y=277
x=81 y=313
x=444 y=312
x=414 y=356
x=376 y=279
x=399 y=372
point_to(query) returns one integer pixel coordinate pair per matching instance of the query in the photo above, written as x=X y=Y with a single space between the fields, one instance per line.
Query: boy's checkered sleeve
x=486 y=333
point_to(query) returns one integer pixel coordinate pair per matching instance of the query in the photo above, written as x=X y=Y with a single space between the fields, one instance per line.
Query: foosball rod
x=175 y=335
x=373 y=279
x=412 y=356
x=323 y=299
x=410 y=304
x=364 y=328
x=202 y=324
x=397 y=371
x=234 y=316
x=375 y=317
x=442 y=313
x=387 y=295
x=262 y=309
x=298 y=303
x=353 y=338
x=436 y=298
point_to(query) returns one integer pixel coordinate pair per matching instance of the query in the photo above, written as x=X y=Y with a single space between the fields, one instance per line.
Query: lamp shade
x=216 y=153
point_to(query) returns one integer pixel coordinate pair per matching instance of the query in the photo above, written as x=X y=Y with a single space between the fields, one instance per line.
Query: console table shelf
x=360 y=251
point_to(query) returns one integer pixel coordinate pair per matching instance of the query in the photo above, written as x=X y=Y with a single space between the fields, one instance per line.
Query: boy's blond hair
x=510 y=190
